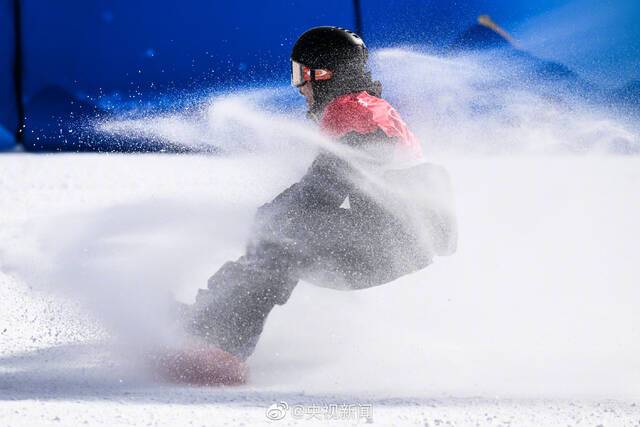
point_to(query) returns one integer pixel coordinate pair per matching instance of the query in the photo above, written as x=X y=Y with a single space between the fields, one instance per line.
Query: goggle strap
x=313 y=74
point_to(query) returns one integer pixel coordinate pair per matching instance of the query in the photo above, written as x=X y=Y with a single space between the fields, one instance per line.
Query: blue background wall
x=131 y=49
x=8 y=117
x=78 y=53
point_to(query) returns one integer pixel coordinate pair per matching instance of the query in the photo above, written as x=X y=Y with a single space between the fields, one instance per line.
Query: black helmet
x=333 y=58
x=330 y=48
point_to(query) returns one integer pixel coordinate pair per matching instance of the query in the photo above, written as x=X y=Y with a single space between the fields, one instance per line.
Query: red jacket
x=363 y=113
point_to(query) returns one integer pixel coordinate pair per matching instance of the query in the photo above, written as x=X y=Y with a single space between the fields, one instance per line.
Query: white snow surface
x=533 y=321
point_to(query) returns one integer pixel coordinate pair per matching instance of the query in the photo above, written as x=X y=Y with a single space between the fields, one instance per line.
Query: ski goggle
x=301 y=74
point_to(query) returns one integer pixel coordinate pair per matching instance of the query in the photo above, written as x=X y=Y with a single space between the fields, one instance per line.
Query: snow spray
x=539 y=299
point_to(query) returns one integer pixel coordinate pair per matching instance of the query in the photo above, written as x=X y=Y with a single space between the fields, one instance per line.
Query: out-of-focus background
x=66 y=62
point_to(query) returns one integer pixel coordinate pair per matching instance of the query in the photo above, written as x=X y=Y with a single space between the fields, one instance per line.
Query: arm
x=328 y=181
x=324 y=185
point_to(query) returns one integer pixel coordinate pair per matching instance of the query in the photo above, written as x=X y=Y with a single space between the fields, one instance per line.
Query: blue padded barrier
x=89 y=59
x=8 y=115
x=78 y=51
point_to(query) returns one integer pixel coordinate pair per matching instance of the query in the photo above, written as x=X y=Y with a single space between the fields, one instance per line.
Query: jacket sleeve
x=324 y=187
x=326 y=184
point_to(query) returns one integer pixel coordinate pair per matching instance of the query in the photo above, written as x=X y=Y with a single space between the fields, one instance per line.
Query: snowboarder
x=327 y=229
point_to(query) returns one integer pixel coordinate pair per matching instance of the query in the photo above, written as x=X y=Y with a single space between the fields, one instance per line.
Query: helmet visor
x=297 y=74
x=301 y=74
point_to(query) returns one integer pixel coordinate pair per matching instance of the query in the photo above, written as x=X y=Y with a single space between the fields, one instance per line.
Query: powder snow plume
x=539 y=300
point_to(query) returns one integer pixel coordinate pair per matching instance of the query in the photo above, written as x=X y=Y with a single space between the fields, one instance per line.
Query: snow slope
x=532 y=322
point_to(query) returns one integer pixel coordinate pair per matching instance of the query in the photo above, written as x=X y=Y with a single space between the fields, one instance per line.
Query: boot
x=231 y=312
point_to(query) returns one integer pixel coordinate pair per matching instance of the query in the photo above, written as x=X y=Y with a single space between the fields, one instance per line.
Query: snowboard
x=198 y=365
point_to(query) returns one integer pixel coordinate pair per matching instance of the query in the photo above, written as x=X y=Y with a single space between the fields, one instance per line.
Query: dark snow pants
x=296 y=238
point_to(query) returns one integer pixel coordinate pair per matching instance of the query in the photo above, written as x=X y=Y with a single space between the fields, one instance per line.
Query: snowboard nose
x=201 y=366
